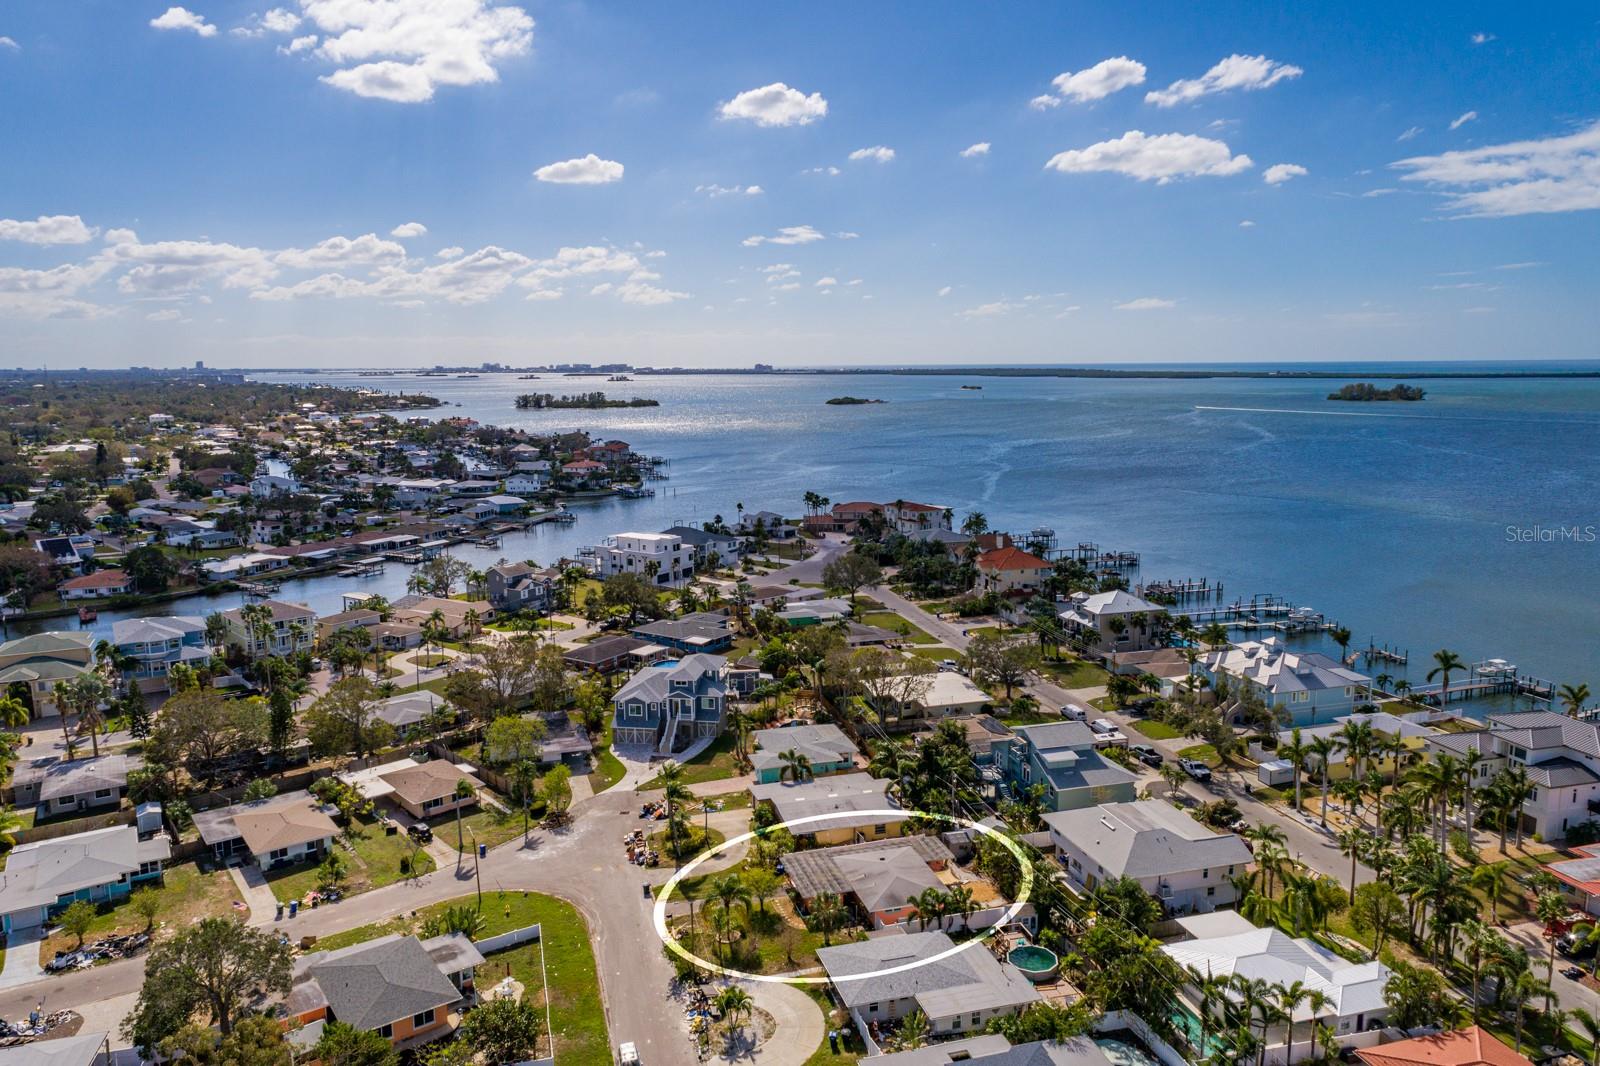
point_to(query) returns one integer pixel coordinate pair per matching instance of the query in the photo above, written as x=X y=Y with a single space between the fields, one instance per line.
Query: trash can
x=294 y=907
x=483 y=851
x=279 y=918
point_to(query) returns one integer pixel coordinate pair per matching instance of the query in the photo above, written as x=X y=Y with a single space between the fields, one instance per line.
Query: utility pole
x=477 y=866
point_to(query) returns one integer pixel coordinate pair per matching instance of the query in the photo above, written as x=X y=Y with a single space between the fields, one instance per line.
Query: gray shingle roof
x=374 y=984
x=819 y=870
x=819 y=743
x=1146 y=839
x=967 y=980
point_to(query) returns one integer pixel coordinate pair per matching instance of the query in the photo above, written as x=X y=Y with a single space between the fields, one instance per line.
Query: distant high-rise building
x=199 y=364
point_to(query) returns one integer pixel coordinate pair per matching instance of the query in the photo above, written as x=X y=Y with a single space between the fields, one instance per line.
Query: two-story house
x=1185 y=865
x=1306 y=685
x=1063 y=758
x=1561 y=756
x=1121 y=621
x=155 y=645
x=1011 y=571
x=668 y=705
x=705 y=544
x=288 y=628
x=43 y=661
x=520 y=587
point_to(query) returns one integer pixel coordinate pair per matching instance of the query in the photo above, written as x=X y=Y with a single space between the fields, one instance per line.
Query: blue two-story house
x=155 y=645
x=1062 y=757
x=668 y=705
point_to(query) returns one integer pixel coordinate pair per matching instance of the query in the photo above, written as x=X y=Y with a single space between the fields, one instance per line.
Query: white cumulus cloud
x=590 y=170
x=877 y=153
x=1161 y=158
x=1147 y=303
x=826 y=283
x=1099 y=81
x=408 y=229
x=46 y=229
x=714 y=191
x=336 y=252
x=402 y=50
x=1235 y=72
x=181 y=18
x=981 y=148
x=786 y=235
x=775 y=105
x=1278 y=173
x=990 y=310
x=1553 y=174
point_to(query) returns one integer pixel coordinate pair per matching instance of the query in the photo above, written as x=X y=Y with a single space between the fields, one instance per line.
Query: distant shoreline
x=1174 y=373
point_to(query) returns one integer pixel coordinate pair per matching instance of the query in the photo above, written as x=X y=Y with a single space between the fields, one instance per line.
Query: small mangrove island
x=851 y=401
x=1366 y=392
x=544 y=401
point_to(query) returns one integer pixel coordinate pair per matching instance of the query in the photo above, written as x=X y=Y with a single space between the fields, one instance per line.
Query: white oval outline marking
x=665 y=896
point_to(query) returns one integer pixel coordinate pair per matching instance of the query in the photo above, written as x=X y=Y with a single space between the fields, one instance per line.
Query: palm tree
x=1490 y=879
x=796 y=766
x=913 y=1031
x=1341 y=637
x=1265 y=837
x=827 y=915
x=1521 y=988
x=960 y=901
x=1295 y=751
x=1446 y=662
x=1353 y=842
x=1549 y=909
x=1290 y=997
x=675 y=793
x=930 y=905
x=1517 y=789
x=463 y=792
x=1591 y=1029
x=1573 y=697
x=1322 y=748
x=735 y=1004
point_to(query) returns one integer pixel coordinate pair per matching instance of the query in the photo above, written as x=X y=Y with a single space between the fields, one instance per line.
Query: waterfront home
x=960 y=995
x=521 y=586
x=1417 y=736
x=1561 y=756
x=1472 y=1046
x=1121 y=621
x=704 y=543
x=343 y=621
x=397 y=636
x=1062 y=757
x=953 y=543
x=399 y=987
x=1185 y=865
x=288 y=628
x=44 y=660
x=584 y=470
x=155 y=645
x=101 y=866
x=704 y=631
x=1011 y=571
x=99 y=585
x=269 y=833
x=56 y=786
x=1166 y=665
x=825 y=746
x=860 y=805
x=611 y=653
x=457 y=617
x=877 y=880
x=1307 y=686
x=243 y=567
x=1229 y=946
x=474 y=487
x=428 y=789
x=670 y=704
x=525 y=483
x=660 y=558
x=907 y=517
x=773 y=524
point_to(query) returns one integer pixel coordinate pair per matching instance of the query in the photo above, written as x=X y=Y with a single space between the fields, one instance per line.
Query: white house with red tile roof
x=100 y=585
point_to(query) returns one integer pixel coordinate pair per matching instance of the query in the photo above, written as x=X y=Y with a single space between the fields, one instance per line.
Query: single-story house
x=399 y=987
x=100 y=585
x=58 y=786
x=101 y=866
x=1472 y=1046
x=825 y=745
x=858 y=804
x=270 y=833
x=705 y=631
x=84 y=1049
x=429 y=788
x=611 y=653
x=952 y=693
x=410 y=709
x=876 y=879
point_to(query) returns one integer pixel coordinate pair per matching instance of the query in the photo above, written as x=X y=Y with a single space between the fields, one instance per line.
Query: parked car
x=1572 y=973
x=627 y=1054
x=1147 y=755
x=949 y=665
x=1195 y=769
x=420 y=832
x=1575 y=945
x=1074 y=712
x=1103 y=725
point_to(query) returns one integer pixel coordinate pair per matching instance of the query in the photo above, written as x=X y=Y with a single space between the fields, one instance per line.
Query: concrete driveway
x=22 y=959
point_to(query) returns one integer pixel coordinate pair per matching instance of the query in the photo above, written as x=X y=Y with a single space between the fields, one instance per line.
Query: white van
x=1075 y=713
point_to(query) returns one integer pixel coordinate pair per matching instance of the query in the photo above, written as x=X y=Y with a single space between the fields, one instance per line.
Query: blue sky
x=233 y=182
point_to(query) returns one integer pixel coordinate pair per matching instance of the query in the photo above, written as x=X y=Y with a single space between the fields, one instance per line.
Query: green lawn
x=849 y=1040
x=1155 y=730
x=608 y=770
x=489 y=826
x=373 y=863
x=186 y=894
x=1204 y=752
x=1073 y=673
x=895 y=624
x=716 y=763
x=576 y=1016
